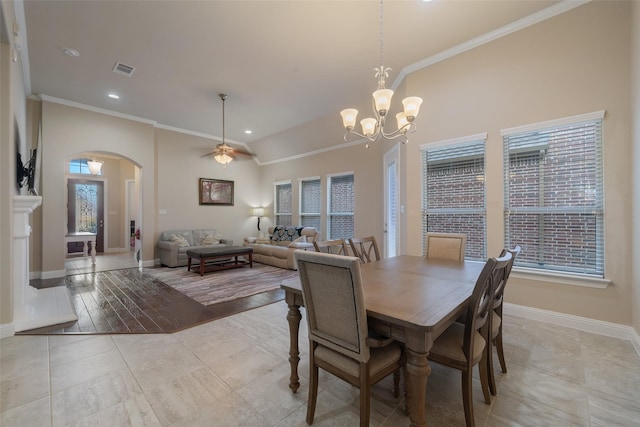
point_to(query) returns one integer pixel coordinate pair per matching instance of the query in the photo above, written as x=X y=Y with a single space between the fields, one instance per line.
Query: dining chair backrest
x=481 y=303
x=334 y=301
x=445 y=246
x=500 y=287
x=365 y=248
x=333 y=246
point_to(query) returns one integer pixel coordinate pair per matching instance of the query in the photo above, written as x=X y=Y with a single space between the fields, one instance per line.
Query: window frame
x=568 y=275
x=330 y=213
x=301 y=187
x=276 y=208
x=460 y=142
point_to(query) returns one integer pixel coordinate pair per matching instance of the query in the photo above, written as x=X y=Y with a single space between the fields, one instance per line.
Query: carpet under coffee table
x=214 y=259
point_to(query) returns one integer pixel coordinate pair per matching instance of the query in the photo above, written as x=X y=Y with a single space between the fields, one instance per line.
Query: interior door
x=391 y=203
x=85 y=211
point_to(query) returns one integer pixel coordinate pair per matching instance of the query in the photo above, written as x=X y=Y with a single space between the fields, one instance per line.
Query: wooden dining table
x=408 y=298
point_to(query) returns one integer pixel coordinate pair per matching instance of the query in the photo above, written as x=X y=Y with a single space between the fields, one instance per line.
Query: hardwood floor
x=126 y=301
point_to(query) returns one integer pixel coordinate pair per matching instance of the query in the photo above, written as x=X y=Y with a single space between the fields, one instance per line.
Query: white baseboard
x=576 y=322
x=35 y=275
x=54 y=274
x=6 y=330
x=115 y=250
x=149 y=263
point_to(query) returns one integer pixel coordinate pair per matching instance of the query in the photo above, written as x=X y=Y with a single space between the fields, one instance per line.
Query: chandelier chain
x=381 y=36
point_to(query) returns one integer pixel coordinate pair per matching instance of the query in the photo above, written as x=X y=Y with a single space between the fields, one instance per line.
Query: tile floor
x=234 y=372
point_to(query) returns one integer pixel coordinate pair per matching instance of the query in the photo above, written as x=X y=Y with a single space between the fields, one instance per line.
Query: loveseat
x=277 y=249
x=174 y=244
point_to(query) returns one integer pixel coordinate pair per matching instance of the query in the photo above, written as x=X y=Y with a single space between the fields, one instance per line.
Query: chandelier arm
x=371 y=138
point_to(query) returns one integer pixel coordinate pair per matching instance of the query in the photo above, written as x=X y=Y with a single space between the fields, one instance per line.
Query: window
x=79 y=166
x=553 y=194
x=310 y=200
x=453 y=191
x=283 y=203
x=340 y=201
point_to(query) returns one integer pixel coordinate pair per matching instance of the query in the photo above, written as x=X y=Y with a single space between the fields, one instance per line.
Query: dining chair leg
x=485 y=380
x=365 y=397
x=491 y=379
x=396 y=383
x=498 y=342
x=467 y=398
x=313 y=391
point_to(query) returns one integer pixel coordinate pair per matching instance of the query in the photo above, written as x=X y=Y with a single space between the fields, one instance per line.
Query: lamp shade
x=258 y=212
x=411 y=106
x=382 y=98
x=402 y=120
x=349 y=116
x=95 y=167
x=368 y=126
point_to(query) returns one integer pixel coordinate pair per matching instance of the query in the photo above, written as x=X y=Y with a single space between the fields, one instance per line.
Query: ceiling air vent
x=123 y=69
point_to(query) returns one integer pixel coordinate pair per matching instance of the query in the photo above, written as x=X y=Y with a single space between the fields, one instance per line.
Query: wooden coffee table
x=214 y=259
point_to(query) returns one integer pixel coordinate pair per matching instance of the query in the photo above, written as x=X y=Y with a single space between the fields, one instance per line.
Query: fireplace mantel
x=33 y=308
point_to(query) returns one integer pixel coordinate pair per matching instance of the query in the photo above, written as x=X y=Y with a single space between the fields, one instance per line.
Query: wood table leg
x=418 y=371
x=202 y=266
x=188 y=263
x=293 y=317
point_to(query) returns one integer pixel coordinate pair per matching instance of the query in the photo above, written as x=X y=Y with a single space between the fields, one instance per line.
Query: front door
x=85 y=211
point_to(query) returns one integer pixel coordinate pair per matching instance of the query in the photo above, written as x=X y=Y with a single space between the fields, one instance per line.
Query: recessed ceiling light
x=248 y=131
x=70 y=52
x=114 y=96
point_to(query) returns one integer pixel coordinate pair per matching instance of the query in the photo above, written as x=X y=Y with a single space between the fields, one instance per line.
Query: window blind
x=310 y=201
x=453 y=193
x=553 y=196
x=283 y=203
x=341 y=202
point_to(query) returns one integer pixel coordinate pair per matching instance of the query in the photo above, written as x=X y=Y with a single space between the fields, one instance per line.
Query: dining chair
x=449 y=246
x=496 y=320
x=462 y=346
x=339 y=342
x=334 y=246
x=365 y=248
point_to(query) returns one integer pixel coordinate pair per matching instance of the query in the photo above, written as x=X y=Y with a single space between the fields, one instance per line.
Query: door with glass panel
x=391 y=203
x=85 y=211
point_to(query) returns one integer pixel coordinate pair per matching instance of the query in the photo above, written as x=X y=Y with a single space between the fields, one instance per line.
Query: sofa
x=278 y=248
x=174 y=244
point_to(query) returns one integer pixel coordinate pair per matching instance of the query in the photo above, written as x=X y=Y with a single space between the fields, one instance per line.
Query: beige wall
x=367 y=167
x=69 y=131
x=575 y=63
x=180 y=166
x=635 y=71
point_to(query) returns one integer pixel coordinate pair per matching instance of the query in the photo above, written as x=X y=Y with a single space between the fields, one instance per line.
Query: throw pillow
x=182 y=242
x=211 y=239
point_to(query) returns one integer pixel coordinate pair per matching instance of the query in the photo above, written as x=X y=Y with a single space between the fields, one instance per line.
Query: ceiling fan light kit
x=373 y=128
x=224 y=153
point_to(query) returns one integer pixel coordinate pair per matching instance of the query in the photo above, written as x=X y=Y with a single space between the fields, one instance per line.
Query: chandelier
x=373 y=127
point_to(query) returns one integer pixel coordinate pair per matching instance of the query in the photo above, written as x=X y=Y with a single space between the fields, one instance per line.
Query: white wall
x=635 y=71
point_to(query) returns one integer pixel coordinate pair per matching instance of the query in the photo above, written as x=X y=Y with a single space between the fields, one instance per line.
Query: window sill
x=562 y=278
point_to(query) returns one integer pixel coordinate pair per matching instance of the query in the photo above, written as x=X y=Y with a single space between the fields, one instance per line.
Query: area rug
x=224 y=285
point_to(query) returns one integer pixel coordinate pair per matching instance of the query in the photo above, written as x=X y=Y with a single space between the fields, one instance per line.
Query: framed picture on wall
x=215 y=192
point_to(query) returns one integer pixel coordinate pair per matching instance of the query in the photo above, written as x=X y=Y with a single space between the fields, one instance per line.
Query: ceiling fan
x=225 y=153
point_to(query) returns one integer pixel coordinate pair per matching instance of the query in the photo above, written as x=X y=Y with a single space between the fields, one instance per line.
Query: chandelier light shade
x=374 y=127
x=95 y=166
